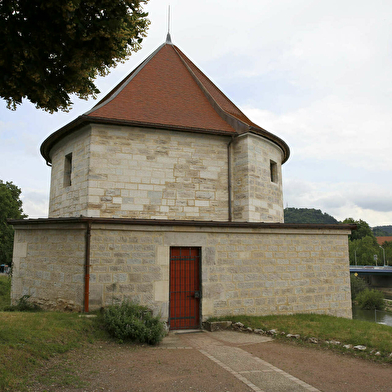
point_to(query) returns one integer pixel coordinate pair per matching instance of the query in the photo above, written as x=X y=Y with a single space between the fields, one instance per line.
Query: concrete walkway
x=224 y=348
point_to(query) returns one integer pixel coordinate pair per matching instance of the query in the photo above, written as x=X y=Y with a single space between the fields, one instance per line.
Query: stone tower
x=166 y=143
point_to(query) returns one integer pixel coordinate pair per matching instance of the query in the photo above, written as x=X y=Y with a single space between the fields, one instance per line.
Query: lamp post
x=383 y=252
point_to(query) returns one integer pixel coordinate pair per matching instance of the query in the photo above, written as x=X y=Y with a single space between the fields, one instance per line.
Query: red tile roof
x=162 y=91
x=381 y=240
x=167 y=91
x=213 y=90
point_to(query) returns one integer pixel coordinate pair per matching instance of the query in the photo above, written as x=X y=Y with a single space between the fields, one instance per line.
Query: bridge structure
x=376 y=276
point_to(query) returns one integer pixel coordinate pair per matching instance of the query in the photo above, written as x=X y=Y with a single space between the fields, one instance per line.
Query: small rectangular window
x=274 y=171
x=68 y=170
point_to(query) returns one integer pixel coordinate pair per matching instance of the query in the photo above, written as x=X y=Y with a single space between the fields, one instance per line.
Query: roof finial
x=168 y=38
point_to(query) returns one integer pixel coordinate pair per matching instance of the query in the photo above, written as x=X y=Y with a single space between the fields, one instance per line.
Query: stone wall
x=256 y=197
x=70 y=200
x=127 y=172
x=255 y=271
x=48 y=265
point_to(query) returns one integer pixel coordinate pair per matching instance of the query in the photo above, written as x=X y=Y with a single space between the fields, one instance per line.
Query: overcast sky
x=318 y=74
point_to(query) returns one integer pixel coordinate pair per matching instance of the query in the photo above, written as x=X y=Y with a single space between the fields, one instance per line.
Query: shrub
x=370 y=299
x=5 y=291
x=23 y=305
x=129 y=321
x=357 y=286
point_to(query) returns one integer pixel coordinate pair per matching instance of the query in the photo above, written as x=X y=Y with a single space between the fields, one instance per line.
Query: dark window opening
x=274 y=171
x=68 y=170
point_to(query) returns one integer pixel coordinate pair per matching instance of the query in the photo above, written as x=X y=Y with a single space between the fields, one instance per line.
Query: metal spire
x=168 y=38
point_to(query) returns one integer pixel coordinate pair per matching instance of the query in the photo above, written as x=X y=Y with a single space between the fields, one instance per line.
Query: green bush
x=5 y=291
x=23 y=305
x=129 y=321
x=370 y=299
x=357 y=286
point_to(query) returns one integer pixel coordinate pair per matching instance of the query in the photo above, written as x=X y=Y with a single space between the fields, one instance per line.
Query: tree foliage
x=382 y=231
x=362 y=252
x=357 y=285
x=363 y=247
x=10 y=208
x=370 y=299
x=363 y=230
x=307 y=215
x=51 y=49
x=387 y=246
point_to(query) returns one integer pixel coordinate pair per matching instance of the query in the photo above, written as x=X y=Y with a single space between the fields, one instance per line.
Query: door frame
x=199 y=248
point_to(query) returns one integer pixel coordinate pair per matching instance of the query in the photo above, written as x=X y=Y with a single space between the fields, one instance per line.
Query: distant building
x=166 y=194
x=381 y=240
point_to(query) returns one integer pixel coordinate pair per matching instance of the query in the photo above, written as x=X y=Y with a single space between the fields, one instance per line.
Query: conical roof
x=168 y=91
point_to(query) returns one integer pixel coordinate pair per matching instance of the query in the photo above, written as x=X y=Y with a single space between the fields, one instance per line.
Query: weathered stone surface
x=359 y=347
x=165 y=174
x=256 y=197
x=348 y=346
x=154 y=174
x=242 y=274
x=51 y=272
x=313 y=340
x=335 y=342
x=294 y=336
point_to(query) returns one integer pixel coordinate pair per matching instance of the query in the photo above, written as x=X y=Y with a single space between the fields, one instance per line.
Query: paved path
x=209 y=362
x=224 y=349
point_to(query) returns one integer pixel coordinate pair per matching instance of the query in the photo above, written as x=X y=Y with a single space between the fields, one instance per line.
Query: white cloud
x=35 y=203
x=357 y=134
x=369 y=202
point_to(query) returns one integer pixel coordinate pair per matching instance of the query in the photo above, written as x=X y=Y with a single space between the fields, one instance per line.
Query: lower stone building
x=185 y=271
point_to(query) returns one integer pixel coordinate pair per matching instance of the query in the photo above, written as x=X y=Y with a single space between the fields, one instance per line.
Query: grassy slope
x=27 y=339
x=347 y=331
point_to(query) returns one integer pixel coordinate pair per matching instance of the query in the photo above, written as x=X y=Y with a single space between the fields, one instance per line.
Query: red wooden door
x=184 y=288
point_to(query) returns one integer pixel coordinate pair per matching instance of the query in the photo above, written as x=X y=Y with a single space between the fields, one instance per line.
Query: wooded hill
x=307 y=215
x=382 y=231
x=311 y=215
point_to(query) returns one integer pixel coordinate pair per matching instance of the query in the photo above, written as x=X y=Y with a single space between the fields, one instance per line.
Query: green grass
x=5 y=290
x=372 y=335
x=28 y=339
x=61 y=375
